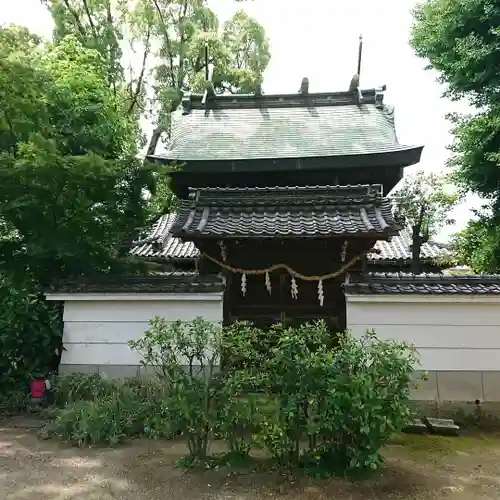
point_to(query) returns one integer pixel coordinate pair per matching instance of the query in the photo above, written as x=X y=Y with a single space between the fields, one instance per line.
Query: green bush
x=30 y=333
x=185 y=356
x=307 y=401
x=327 y=407
x=348 y=402
x=77 y=387
x=91 y=410
x=13 y=402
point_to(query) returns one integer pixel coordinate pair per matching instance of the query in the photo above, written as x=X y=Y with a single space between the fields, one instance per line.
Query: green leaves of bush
x=92 y=410
x=305 y=399
x=298 y=397
x=30 y=333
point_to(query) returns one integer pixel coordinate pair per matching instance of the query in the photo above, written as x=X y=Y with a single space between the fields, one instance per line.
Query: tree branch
x=167 y=40
x=11 y=131
x=182 y=41
x=140 y=81
x=87 y=11
x=112 y=52
x=79 y=25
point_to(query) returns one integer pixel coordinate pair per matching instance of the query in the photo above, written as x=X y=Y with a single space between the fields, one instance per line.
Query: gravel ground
x=422 y=467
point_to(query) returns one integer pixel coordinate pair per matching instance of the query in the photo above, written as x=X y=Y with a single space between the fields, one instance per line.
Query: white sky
x=319 y=39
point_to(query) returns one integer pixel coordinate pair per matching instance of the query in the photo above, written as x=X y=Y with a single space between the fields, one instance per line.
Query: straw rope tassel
x=286 y=267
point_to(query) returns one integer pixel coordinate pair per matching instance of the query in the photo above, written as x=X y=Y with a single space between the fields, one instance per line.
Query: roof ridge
x=284 y=195
x=427 y=277
x=371 y=96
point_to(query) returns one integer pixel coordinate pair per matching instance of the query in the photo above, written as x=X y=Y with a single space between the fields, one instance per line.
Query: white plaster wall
x=450 y=333
x=96 y=331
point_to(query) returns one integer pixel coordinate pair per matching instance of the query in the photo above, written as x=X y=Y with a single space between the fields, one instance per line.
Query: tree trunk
x=153 y=142
x=415 y=250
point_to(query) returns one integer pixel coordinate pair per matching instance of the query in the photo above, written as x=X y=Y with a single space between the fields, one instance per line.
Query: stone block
x=147 y=372
x=119 y=371
x=416 y=426
x=443 y=426
x=424 y=390
x=70 y=369
x=466 y=386
x=491 y=386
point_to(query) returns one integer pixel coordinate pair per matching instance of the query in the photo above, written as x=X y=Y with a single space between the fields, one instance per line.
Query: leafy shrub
x=77 y=387
x=30 y=333
x=12 y=402
x=237 y=414
x=103 y=421
x=348 y=402
x=304 y=402
x=185 y=356
x=345 y=397
x=92 y=410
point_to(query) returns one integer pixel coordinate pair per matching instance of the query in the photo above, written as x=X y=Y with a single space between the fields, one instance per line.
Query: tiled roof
x=430 y=284
x=161 y=244
x=398 y=250
x=312 y=211
x=283 y=126
x=176 y=282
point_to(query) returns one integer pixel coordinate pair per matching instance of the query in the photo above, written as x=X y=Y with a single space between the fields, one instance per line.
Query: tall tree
x=71 y=188
x=477 y=246
x=171 y=36
x=238 y=54
x=103 y=25
x=424 y=202
x=461 y=40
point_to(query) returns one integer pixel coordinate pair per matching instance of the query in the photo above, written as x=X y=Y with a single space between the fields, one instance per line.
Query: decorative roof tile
x=429 y=284
x=177 y=282
x=307 y=212
x=398 y=250
x=160 y=244
x=283 y=126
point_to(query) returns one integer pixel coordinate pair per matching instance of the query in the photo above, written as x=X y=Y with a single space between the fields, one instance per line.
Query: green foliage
x=190 y=385
x=180 y=29
x=312 y=406
x=82 y=387
x=476 y=151
x=29 y=334
x=91 y=410
x=461 y=40
x=478 y=245
x=346 y=402
x=13 y=401
x=71 y=189
x=97 y=24
x=424 y=202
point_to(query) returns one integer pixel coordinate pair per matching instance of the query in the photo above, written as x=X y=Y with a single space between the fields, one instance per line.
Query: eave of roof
x=282 y=212
x=175 y=282
x=161 y=245
x=428 y=284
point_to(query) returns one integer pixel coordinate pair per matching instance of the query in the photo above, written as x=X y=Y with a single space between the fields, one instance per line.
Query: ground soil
x=417 y=467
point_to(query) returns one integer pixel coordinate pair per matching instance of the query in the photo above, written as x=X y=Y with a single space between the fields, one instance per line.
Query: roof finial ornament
x=209 y=87
x=354 y=86
x=304 y=86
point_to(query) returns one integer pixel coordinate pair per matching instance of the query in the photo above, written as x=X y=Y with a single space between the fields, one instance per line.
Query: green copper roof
x=283 y=126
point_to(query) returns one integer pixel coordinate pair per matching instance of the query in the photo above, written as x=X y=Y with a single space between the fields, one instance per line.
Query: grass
x=417 y=445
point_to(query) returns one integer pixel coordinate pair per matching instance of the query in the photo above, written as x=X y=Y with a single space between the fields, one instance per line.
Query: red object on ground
x=37 y=388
